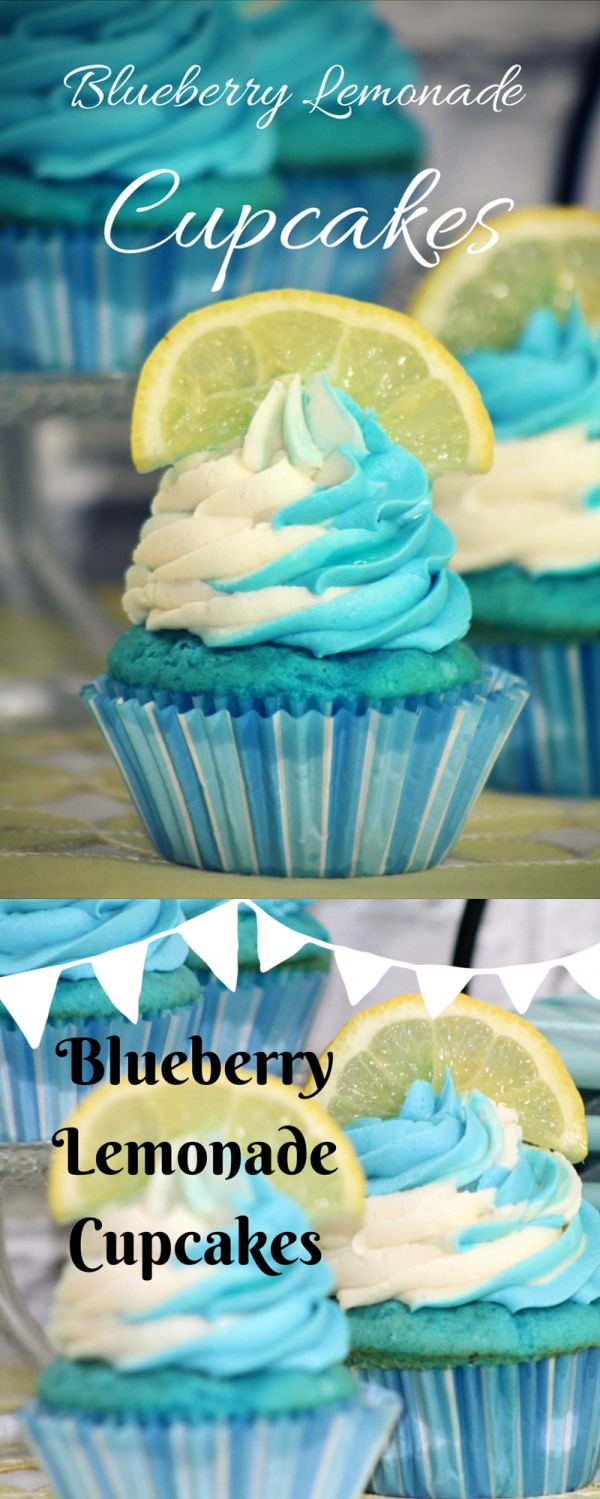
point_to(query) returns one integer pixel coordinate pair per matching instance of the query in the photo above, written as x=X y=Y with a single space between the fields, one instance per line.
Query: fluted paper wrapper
x=492 y=1433
x=329 y=791
x=321 y=1454
x=554 y=748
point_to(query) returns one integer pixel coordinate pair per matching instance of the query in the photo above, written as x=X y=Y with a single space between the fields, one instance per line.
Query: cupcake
x=273 y=1010
x=329 y=156
x=524 y=318
x=36 y=1091
x=528 y=546
x=572 y=1024
x=205 y=1378
x=294 y=696
x=473 y=1291
x=76 y=133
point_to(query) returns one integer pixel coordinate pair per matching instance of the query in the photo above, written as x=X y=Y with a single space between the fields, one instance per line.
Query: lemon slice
x=203 y=381
x=381 y=1051
x=221 y=1112
x=544 y=257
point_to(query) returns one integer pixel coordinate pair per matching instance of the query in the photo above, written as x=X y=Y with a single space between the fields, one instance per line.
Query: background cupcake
x=36 y=1093
x=71 y=302
x=368 y=158
x=473 y=1284
x=572 y=1024
x=297 y=641
x=528 y=532
x=202 y=1371
x=273 y=1010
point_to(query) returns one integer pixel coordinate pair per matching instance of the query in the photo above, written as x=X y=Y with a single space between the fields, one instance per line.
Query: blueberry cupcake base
x=313 y=1453
x=554 y=748
x=279 y=788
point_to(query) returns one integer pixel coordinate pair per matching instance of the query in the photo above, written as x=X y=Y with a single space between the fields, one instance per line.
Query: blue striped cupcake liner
x=69 y=303
x=266 y=1011
x=322 y=1454
x=339 y=791
x=554 y=748
x=494 y=1432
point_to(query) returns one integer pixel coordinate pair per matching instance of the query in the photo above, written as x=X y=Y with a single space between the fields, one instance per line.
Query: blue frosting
x=382 y=541
x=445 y=1138
x=296 y=42
x=255 y=1321
x=551 y=378
x=39 y=933
x=43 y=40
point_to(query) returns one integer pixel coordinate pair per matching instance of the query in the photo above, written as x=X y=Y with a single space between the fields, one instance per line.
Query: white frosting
x=528 y=510
x=211 y=520
x=405 y=1249
x=90 y=1312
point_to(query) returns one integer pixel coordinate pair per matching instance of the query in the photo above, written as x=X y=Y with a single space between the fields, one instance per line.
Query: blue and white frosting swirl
x=460 y=1210
x=539 y=506
x=222 y=1320
x=40 y=933
x=315 y=531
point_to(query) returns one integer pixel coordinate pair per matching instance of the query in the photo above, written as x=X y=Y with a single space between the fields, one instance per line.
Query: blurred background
x=70 y=502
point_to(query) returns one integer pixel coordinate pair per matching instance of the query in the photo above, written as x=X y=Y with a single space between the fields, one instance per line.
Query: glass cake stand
x=24 y=1349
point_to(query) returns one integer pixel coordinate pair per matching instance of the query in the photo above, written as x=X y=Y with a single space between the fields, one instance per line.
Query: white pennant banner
x=27 y=997
x=213 y=935
x=584 y=967
x=439 y=985
x=522 y=983
x=121 y=973
x=360 y=971
x=275 y=941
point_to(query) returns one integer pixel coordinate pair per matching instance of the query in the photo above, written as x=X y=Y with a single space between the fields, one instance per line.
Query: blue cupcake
x=528 y=546
x=294 y=697
x=215 y=1380
x=366 y=158
x=70 y=301
x=36 y=1092
x=274 y=1010
x=572 y=1024
x=473 y=1292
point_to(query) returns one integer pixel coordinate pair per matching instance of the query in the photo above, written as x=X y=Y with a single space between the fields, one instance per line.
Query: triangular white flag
x=360 y=971
x=121 y=972
x=214 y=937
x=27 y=997
x=584 y=967
x=439 y=984
x=275 y=941
x=523 y=981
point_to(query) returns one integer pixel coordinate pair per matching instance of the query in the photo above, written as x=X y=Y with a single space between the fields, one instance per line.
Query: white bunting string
x=213 y=936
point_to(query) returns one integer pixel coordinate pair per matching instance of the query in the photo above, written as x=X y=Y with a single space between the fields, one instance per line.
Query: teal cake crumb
x=511 y=605
x=390 y=1336
x=85 y=999
x=175 y=661
x=97 y=1389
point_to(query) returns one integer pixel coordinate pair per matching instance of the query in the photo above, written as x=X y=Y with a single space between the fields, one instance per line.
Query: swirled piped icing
x=222 y=1320
x=315 y=531
x=39 y=933
x=539 y=506
x=42 y=43
x=460 y=1210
